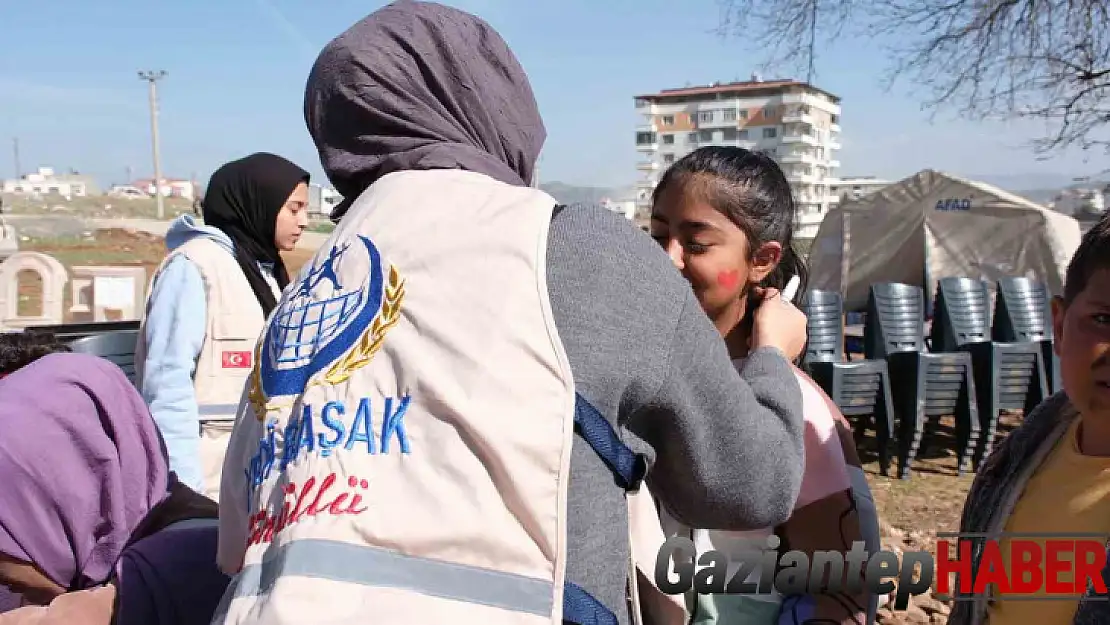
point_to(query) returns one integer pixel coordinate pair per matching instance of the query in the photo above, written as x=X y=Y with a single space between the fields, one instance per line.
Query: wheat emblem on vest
x=324 y=327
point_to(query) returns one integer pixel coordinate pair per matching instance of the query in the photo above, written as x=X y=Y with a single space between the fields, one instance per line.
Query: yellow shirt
x=1069 y=493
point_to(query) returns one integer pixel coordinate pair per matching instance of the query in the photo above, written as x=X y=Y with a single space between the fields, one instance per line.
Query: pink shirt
x=826 y=473
x=826 y=470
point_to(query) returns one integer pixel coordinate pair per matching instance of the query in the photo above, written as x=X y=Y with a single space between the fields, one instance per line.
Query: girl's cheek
x=728 y=279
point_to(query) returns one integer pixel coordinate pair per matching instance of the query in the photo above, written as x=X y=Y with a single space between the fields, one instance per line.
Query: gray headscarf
x=417 y=85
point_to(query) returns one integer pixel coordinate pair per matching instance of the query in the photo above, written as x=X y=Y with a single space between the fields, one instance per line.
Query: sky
x=70 y=93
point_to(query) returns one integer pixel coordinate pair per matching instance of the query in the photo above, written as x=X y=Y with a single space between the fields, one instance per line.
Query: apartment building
x=796 y=123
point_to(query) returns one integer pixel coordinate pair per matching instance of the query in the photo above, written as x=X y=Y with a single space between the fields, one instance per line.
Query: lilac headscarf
x=81 y=463
x=417 y=85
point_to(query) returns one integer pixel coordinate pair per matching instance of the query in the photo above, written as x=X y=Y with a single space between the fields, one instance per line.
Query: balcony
x=807 y=224
x=812 y=101
x=834 y=164
x=647 y=147
x=798 y=98
x=799 y=137
x=800 y=178
x=834 y=128
x=798 y=117
x=647 y=165
x=798 y=157
x=648 y=127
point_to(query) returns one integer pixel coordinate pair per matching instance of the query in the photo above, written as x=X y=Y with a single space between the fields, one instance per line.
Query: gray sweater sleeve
x=728 y=448
x=725 y=448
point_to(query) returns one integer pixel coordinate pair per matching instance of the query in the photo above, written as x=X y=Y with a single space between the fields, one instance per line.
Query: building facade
x=46 y=182
x=796 y=123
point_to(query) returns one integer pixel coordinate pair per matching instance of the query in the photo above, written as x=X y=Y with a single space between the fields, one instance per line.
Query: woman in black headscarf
x=208 y=303
x=247 y=200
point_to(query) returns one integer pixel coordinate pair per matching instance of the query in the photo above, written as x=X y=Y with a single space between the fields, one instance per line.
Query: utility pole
x=15 y=150
x=152 y=78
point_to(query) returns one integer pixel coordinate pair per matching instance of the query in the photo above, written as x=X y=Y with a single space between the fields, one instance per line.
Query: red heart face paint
x=729 y=279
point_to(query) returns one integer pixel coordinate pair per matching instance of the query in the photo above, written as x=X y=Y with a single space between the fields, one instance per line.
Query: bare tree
x=987 y=59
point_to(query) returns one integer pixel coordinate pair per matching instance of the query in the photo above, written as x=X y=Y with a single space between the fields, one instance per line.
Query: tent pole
x=845 y=253
x=845 y=270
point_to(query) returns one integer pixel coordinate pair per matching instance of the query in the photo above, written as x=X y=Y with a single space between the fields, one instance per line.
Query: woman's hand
x=778 y=323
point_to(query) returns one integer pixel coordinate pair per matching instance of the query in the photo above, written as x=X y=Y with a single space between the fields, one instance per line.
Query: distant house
x=170 y=187
x=321 y=200
x=855 y=187
x=46 y=182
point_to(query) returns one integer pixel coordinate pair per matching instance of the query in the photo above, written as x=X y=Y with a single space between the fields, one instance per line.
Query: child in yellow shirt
x=1052 y=474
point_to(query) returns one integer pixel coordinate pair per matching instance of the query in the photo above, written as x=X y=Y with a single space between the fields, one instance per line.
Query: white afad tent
x=934 y=225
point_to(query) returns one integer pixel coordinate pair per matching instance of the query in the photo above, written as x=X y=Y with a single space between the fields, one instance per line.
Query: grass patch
x=323 y=227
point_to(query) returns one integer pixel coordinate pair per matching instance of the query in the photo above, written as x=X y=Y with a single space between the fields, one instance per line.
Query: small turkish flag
x=236 y=360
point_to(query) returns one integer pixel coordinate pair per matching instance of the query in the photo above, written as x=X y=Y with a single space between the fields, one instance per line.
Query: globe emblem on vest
x=324 y=325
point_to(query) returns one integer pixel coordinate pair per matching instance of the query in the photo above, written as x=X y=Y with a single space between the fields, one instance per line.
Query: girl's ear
x=764 y=261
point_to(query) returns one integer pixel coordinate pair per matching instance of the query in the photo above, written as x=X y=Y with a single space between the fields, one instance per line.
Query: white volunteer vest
x=404 y=455
x=234 y=322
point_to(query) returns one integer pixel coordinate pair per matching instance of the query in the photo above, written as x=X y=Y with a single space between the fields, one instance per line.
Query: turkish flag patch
x=236 y=360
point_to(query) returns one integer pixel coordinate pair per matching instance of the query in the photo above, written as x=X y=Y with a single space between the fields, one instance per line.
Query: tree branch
x=1047 y=60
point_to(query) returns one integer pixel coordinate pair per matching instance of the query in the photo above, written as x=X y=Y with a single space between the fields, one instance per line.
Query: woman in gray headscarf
x=498 y=325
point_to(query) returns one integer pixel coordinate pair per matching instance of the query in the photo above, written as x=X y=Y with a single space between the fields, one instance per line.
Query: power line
x=152 y=78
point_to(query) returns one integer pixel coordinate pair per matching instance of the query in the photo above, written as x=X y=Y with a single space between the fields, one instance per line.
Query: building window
x=705 y=135
x=743 y=134
x=730 y=134
x=668 y=159
x=768 y=111
x=744 y=114
x=836 y=119
x=769 y=133
x=668 y=120
x=705 y=117
x=729 y=115
x=668 y=139
x=692 y=137
x=645 y=138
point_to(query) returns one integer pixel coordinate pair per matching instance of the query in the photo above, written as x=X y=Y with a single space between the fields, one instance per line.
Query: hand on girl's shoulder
x=85 y=607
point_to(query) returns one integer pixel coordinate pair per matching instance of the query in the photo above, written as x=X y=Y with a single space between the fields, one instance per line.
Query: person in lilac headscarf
x=93 y=525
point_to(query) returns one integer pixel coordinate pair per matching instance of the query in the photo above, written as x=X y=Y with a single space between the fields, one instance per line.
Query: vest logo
x=308 y=500
x=324 y=326
x=325 y=430
x=235 y=360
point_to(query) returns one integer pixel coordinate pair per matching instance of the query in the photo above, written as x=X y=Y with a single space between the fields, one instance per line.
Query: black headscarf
x=243 y=200
x=417 y=85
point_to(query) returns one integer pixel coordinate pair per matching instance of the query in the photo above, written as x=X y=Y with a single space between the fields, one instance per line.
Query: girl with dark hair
x=208 y=302
x=725 y=216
